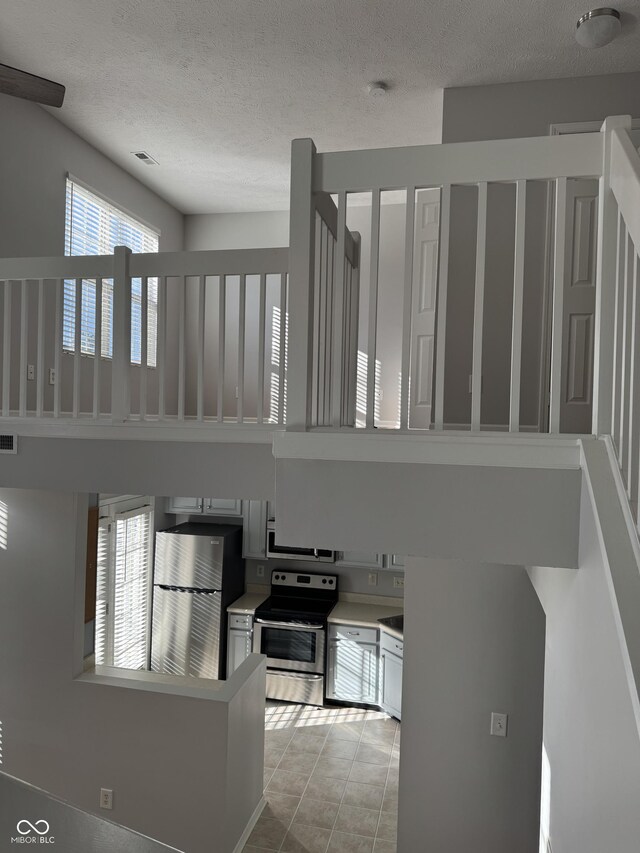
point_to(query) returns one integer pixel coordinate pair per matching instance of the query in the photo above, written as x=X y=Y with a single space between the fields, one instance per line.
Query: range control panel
x=303 y=580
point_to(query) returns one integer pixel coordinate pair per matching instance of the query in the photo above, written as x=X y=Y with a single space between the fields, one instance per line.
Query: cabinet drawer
x=391 y=644
x=238 y=620
x=354 y=633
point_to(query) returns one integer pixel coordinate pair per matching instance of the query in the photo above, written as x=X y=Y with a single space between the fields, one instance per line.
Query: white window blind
x=123 y=590
x=93 y=226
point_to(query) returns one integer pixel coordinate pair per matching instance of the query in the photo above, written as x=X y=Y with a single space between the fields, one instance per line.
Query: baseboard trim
x=249 y=827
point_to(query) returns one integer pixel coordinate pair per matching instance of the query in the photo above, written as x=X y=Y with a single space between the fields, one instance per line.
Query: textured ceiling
x=215 y=90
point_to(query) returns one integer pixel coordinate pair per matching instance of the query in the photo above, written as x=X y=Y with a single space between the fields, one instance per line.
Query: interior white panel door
x=423 y=307
x=579 y=306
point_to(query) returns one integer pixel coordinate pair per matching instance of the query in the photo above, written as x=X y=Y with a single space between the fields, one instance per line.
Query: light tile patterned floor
x=331 y=781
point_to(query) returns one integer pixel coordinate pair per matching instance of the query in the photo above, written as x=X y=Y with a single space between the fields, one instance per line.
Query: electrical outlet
x=398 y=582
x=499 y=724
x=260 y=571
x=31 y=372
x=52 y=376
x=106 y=798
x=373 y=579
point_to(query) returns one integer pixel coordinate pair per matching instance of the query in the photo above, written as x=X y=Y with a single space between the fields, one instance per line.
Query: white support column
x=121 y=363
x=302 y=233
x=605 y=286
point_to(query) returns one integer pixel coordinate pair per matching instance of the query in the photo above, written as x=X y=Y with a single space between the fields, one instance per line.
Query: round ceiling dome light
x=598 y=27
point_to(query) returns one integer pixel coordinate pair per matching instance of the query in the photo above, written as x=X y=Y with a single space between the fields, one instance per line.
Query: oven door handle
x=292 y=625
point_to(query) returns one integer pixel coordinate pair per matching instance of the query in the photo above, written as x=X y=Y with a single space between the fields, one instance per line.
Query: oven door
x=290 y=645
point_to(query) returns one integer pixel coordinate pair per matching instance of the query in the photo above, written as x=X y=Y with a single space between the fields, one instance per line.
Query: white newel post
x=302 y=234
x=121 y=356
x=605 y=286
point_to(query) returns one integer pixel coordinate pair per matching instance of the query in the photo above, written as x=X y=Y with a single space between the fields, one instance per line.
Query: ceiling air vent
x=8 y=443
x=145 y=158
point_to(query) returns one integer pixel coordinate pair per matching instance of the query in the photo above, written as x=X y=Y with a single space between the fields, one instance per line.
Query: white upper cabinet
x=205 y=506
x=359 y=559
x=254 y=530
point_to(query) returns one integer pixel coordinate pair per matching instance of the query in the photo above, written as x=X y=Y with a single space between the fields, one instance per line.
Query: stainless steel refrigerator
x=198 y=572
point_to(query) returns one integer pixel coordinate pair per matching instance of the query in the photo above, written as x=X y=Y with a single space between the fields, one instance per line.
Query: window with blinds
x=93 y=226
x=122 y=632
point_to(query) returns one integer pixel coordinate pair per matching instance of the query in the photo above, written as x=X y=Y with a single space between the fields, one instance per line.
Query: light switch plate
x=499 y=724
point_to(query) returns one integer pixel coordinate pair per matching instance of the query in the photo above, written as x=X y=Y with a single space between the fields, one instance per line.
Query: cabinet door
x=353 y=672
x=360 y=559
x=185 y=505
x=254 y=529
x=222 y=506
x=391 y=683
x=394 y=561
x=238 y=649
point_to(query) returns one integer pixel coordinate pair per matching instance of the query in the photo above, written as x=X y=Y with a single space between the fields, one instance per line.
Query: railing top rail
x=213 y=262
x=501 y=160
x=83 y=266
x=625 y=181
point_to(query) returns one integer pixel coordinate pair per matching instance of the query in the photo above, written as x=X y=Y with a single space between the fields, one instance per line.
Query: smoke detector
x=598 y=27
x=377 y=88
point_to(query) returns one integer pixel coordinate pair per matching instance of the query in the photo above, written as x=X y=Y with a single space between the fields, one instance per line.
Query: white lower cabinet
x=239 y=640
x=391 y=654
x=353 y=664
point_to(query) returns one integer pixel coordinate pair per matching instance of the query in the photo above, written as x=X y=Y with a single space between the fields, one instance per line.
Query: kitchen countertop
x=365 y=615
x=247 y=603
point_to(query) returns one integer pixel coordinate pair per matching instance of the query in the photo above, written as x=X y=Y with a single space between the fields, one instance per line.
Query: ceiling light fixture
x=598 y=27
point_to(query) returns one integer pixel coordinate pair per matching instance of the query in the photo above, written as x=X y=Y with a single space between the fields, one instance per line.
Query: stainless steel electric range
x=290 y=628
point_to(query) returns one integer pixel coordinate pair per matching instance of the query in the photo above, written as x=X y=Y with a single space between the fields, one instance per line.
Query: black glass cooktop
x=294 y=608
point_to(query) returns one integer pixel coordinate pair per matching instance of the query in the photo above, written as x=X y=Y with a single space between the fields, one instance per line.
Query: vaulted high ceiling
x=215 y=90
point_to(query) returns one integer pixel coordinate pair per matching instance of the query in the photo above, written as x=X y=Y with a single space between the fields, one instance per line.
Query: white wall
x=236 y=230
x=590 y=729
x=473 y=644
x=170 y=759
x=462 y=512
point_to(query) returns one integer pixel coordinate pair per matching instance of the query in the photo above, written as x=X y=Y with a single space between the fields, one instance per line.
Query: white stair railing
x=623 y=285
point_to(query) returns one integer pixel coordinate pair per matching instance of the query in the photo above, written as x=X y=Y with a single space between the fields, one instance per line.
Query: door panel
x=423 y=306
x=189 y=560
x=579 y=306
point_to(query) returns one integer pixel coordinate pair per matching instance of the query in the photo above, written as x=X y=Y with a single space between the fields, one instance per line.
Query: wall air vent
x=8 y=443
x=145 y=158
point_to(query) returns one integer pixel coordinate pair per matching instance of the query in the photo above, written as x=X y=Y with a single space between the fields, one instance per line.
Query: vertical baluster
x=518 y=293
x=282 y=358
x=182 y=343
x=222 y=317
x=317 y=284
x=409 y=238
x=478 y=311
x=97 y=361
x=443 y=284
x=6 y=352
x=626 y=353
x=338 y=313
x=617 y=335
x=559 y=252
x=57 y=358
x=372 y=333
x=40 y=352
x=633 y=471
x=330 y=331
x=241 y=324
x=354 y=295
x=200 y=345
x=24 y=342
x=144 y=344
x=77 y=363
x=162 y=344
x=121 y=360
x=323 y=245
x=261 y=344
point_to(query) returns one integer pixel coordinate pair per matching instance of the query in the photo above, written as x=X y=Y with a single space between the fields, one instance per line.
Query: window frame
x=147 y=231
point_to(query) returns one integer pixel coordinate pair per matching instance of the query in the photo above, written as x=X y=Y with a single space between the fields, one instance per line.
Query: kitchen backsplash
x=351 y=579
